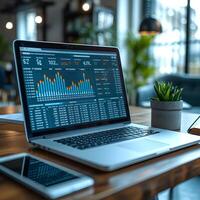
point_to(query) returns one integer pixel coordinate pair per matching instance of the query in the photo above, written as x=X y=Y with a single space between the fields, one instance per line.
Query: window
x=169 y=48
x=26 y=26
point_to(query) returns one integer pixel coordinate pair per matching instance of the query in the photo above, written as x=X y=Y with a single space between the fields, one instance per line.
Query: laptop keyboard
x=105 y=137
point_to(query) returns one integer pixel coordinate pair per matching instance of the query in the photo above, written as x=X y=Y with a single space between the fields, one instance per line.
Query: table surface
x=138 y=181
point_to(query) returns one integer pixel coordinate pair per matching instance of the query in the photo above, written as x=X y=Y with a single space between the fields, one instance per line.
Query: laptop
x=75 y=105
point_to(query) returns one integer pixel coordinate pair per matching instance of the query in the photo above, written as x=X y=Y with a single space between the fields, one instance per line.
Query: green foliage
x=167 y=91
x=141 y=67
x=90 y=35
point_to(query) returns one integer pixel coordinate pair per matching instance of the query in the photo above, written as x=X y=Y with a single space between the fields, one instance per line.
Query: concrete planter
x=166 y=114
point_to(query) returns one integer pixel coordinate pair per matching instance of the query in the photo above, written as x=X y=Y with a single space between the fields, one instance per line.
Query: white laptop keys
x=74 y=104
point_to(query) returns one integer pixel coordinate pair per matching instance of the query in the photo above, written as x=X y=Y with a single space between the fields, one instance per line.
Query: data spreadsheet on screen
x=68 y=87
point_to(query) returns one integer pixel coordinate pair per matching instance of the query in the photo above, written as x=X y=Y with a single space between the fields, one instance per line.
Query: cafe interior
x=158 y=40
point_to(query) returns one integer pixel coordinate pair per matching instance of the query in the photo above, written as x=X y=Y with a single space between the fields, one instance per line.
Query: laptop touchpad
x=144 y=145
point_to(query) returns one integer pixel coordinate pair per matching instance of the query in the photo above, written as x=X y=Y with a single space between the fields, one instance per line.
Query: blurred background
x=172 y=48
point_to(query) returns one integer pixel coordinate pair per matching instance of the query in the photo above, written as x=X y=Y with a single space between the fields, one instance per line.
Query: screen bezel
x=62 y=46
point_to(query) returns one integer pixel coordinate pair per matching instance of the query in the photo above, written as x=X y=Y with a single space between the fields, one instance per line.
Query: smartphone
x=47 y=178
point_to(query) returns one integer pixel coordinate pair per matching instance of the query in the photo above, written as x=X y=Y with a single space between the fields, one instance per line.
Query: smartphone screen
x=38 y=171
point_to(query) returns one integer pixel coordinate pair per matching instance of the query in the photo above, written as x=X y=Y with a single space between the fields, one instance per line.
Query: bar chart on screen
x=56 y=88
x=65 y=88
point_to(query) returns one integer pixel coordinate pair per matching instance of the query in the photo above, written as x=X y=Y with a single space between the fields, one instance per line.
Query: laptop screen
x=69 y=88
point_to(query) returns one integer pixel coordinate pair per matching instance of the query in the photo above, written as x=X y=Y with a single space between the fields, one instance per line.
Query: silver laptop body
x=73 y=99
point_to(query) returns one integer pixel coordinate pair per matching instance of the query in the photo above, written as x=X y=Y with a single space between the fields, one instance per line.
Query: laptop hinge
x=37 y=138
x=128 y=122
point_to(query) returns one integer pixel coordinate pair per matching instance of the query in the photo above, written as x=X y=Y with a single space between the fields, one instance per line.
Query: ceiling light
x=86 y=6
x=38 y=19
x=9 y=25
x=150 y=26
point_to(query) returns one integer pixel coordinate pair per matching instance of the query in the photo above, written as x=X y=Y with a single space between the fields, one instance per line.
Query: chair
x=189 y=83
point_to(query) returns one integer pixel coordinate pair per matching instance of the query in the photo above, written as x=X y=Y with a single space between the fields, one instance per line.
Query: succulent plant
x=166 y=91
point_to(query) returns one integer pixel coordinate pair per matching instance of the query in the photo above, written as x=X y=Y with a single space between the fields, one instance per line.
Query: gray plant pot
x=166 y=114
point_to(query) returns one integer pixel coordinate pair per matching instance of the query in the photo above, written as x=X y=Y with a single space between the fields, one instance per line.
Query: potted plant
x=141 y=63
x=166 y=107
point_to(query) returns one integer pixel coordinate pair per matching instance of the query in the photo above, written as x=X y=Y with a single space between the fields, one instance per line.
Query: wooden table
x=139 y=182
